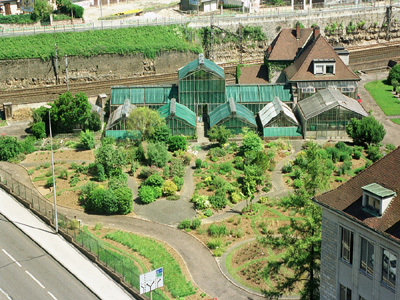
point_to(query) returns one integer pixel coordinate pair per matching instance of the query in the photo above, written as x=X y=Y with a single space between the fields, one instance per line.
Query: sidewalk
x=83 y=269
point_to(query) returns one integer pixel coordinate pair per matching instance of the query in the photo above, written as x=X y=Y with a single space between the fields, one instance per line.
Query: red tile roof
x=319 y=48
x=286 y=46
x=347 y=198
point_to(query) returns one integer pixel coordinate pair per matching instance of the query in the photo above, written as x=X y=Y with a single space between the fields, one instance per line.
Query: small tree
x=394 y=74
x=161 y=134
x=39 y=130
x=365 y=131
x=93 y=122
x=41 y=11
x=157 y=154
x=110 y=158
x=177 y=142
x=219 y=134
x=87 y=139
x=144 y=120
x=251 y=142
x=9 y=148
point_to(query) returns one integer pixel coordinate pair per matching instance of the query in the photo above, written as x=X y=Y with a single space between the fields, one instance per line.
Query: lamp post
x=52 y=166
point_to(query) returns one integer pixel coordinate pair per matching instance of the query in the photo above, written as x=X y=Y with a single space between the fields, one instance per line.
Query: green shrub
x=298 y=183
x=238 y=233
x=39 y=130
x=357 y=154
x=177 y=168
x=87 y=139
x=218 y=230
x=177 y=143
x=185 y=224
x=287 y=168
x=208 y=213
x=214 y=243
x=169 y=188
x=125 y=199
x=215 y=153
x=238 y=162
x=146 y=194
x=9 y=148
x=225 y=168
x=93 y=123
x=251 y=142
x=49 y=182
x=101 y=201
x=390 y=147
x=198 y=163
x=74 y=180
x=196 y=223
x=154 y=180
x=146 y=172
x=374 y=153
x=344 y=156
x=204 y=165
x=236 y=197
x=157 y=154
x=28 y=144
x=178 y=181
x=201 y=201
x=63 y=174
x=16 y=19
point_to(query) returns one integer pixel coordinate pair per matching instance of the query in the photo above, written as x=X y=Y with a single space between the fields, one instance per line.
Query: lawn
x=382 y=93
x=397 y=121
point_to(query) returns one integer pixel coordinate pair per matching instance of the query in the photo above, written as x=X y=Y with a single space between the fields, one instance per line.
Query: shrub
x=343 y=156
x=9 y=148
x=146 y=172
x=154 y=180
x=49 y=182
x=366 y=131
x=204 y=165
x=185 y=224
x=177 y=143
x=251 y=142
x=74 y=180
x=27 y=145
x=225 y=167
x=357 y=154
x=219 y=134
x=374 y=153
x=196 y=223
x=93 y=123
x=39 y=130
x=238 y=162
x=208 y=213
x=298 y=183
x=198 y=163
x=390 y=147
x=201 y=201
x=236 y=197
x=178 y=181
x=125 y=199
x=394 y=73
x=287 y=168
x=218 y=230
x=63 y=174
x=101 y=201
x=177 y=168
x=215 y=153
x=218 y=201
x=146 y=194
x=110 y=158
x=87 y=139
x=157 y=154
x=169 y=188
x=214 y=243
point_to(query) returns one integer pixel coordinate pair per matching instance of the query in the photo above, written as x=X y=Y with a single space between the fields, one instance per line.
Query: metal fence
x=201 y=20
x=72 y=227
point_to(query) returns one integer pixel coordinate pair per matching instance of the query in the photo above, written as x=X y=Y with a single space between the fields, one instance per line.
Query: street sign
x=151 y=280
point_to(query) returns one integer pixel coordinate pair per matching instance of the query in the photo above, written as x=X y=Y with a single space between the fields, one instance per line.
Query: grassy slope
x=148 y=40
x=383 y=96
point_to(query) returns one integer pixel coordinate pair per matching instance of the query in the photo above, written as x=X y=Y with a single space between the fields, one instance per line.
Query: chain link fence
x=117 y=263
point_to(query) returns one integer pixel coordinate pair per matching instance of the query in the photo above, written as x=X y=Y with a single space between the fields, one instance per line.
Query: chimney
x=297 y=30
x=316 y=32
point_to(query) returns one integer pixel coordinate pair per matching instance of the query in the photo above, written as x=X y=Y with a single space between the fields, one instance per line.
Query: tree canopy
x=145 y=120
x=366 y=131
x=394 y=74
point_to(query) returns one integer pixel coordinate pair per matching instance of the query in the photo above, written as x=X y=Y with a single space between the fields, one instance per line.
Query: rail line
x=377 y=55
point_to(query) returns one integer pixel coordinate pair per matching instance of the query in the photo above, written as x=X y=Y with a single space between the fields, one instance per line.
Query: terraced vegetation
x=90 y=43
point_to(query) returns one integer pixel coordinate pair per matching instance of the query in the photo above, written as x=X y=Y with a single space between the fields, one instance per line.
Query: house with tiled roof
x=310 y=63
x=361 y=234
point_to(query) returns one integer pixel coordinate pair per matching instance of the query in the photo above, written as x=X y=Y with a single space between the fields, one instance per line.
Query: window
x=346 y=249
x=348 y=89
x=373 y=204
x=367 y=257
x=319 y=69
x=330 y=69
x=389 y=261
x=345 y=293
x=308 y=90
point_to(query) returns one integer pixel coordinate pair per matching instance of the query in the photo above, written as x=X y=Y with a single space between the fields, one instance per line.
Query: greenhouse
x=276 y=119
x=150 y=96
x=326 y=114
x=201 y=86
x=180 y=119
x=116 y=125
x=233 y=116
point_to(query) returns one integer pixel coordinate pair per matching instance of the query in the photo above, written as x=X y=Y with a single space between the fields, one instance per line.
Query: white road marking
x=12 y=258
x=5 y=294
x=52 y=296
x=37 y=281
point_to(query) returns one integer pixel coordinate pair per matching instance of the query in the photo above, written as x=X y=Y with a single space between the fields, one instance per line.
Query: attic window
x=376 y=198
x=324 y=66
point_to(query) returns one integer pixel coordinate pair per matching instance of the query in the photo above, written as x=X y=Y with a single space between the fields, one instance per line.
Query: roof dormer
x=324 y=66
x=376 y=198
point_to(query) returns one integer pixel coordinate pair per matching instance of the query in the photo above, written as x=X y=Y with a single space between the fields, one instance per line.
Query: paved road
x=28 y=272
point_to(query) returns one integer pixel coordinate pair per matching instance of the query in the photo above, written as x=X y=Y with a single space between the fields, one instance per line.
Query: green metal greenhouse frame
x=180 y=119
x=233 y=116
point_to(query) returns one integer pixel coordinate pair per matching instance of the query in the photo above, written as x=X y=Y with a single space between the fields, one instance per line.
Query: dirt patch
x=22 y=114
x=63 y=155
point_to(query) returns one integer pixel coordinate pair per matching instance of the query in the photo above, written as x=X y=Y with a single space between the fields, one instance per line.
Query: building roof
x=143 y=94
x=286 y=46
x=122 y=111
x=176 y=110
x=274 y=109
x=378 y=190
x=319 y=48
x=231 y=109
x=327 y=99
x=347 y=198
x=201 y=63
x=245 y=93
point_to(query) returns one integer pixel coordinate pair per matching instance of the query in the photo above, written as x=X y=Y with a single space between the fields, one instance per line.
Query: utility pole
x=56 y=62
x=389 y=15
x=211 y=54
x=241 y=44
x=66 y=71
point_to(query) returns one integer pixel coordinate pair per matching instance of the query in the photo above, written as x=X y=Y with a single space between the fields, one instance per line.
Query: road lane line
x=52 y=296
x=37 y=281
x=12 y=258
x=5 y=294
